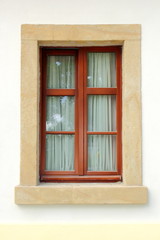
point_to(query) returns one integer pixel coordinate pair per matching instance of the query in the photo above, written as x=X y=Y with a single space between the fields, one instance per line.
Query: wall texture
x=84 y=231
x=15 y=13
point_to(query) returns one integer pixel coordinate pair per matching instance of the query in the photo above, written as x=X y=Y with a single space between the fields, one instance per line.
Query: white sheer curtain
x=101 y=113
x=60 y=72
x=59 y=152
x=101 y=153
x=101 y=70
x=60 y=114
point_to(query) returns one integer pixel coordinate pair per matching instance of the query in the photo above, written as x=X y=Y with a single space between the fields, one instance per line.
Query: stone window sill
x=82 y=193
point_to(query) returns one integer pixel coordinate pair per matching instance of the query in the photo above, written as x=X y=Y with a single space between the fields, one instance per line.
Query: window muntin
x=84 y=161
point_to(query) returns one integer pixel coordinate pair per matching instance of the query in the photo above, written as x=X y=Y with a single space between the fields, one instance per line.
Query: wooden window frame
x=81 y=92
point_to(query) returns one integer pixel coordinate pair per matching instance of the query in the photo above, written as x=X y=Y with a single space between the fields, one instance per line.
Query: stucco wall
x=15 y=13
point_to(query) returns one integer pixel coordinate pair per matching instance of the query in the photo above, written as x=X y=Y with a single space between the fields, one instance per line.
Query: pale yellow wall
x=80 y=232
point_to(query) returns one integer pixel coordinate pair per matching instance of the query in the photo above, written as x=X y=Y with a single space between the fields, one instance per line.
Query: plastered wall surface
x=15 y=13
x=84 y=231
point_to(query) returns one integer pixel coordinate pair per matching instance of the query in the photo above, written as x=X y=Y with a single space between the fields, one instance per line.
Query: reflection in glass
x=101 y=113
x=101 y=153
x=59 y=152
x=101 y=70
x=60 y=72
x=60 y=113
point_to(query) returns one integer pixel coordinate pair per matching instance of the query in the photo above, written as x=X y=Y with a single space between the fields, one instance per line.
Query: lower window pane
x=59 y=152
x=102 y=153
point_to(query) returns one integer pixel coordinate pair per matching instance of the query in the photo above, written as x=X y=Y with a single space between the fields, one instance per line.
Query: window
x=128 y=191
x=81 y=114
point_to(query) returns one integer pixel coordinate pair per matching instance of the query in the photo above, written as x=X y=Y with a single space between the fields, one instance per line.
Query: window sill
x=82 y=193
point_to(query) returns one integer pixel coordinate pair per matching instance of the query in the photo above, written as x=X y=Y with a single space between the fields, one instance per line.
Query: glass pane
x=101 y=70
x=101 y=153
x=60 y=113
x=101 y=113
x=60 y=72
x=59 y=152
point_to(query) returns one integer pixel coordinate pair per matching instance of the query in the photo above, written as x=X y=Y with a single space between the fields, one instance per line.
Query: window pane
x=60 y=113
x=59 y=152
x=60 y=72
x=101 y=153
x=101 y=70
x=101 y=113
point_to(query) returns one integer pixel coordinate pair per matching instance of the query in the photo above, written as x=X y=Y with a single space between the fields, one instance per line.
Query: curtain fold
x=101 y=153
x=101 y=112
x=60 y=148
x=101 y=70
x=59 y=152
x=60 y=72
x=60 y=114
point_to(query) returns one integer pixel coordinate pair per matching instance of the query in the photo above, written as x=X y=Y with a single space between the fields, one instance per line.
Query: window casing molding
x=30 y=191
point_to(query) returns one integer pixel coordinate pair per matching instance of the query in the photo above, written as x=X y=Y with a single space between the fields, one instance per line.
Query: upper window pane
x=61 y=72
x=101 y=70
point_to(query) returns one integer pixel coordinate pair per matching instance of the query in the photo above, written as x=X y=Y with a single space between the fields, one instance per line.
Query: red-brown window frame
x=80 y=92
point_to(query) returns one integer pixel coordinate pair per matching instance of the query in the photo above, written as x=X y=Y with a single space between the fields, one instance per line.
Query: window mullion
x=85 y=110
x=80 y=112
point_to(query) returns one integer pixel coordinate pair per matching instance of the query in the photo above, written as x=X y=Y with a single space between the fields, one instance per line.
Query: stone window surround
x=130 y=191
